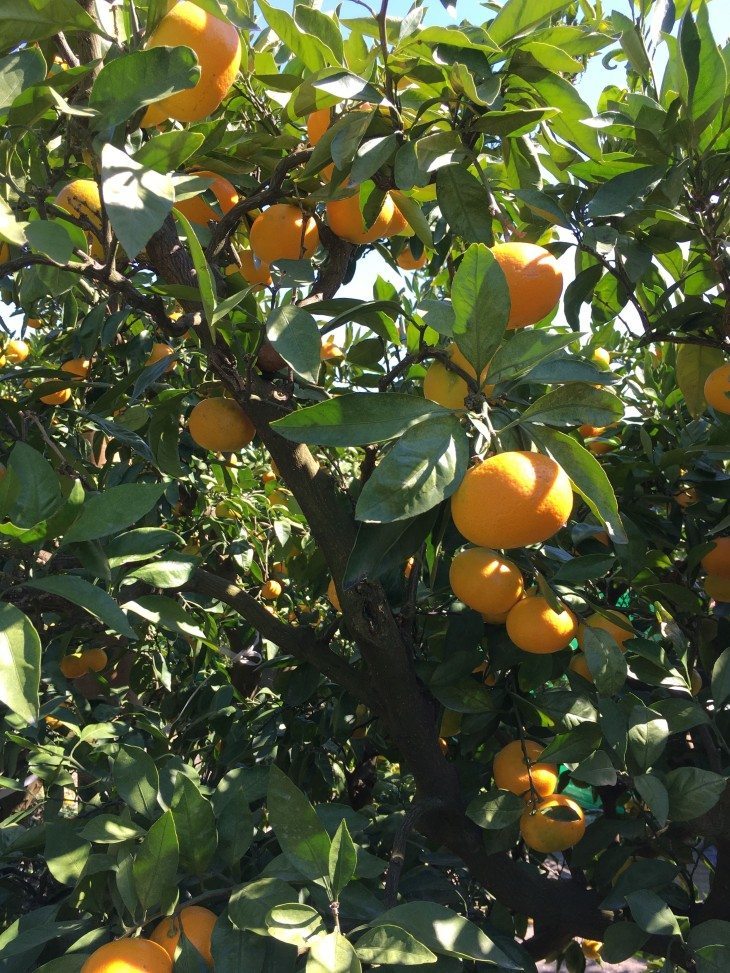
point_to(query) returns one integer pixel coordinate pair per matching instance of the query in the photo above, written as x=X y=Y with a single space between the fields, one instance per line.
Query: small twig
x=66 y=52
x=398 y=854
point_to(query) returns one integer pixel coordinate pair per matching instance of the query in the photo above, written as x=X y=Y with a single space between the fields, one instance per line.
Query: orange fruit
x=534 y=280
x=268 y=477
x=406 y=260
x=579 y=665
x=408 y=567
x=271 y=590
x=717 y=389
x=333 y=597
x=159 y=351
x=346 y=220
x=34 y=323
x=445 y=387
x=592 y=949
x=253 y=270
x=4 y=252
x=129 y=956
x=611 y=624
x=17 y=351
x=73 y=666
x=220 y=425
x=717 y=561
x=77 y=366
x=329 y=351
x=547 y=834
x=59 y=397
x=197 y=924
x=495 y=618
x=484 y=581
x=717 y=587
x=600 y=447
x=484 y=670
x=278 y=567
x=602 y=357
x=80 y=198
x=686 y=497
x=512 y=499
x=283 y=232
x=588 y=432
x=197 y=210
x=534 y=627
x=277 y=498
x=695 y=682
x=512 y=772
x=95 y=659
x=218 y=49
x=317 y=124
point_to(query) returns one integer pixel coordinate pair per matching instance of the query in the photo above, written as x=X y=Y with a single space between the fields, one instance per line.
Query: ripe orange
x=129 y=956
x=159 y=351
x=197 y=924
x=80 y=198
x=717 y=561
x=717 y=587
x=534 y=280
x=512 y=772
x=588 y=432
x=277 y=498
x=34 y=323
x=599 y=447
x=717 y=389
x=547 y=834
x=346 y=220
x=268 y=477
x=534 y=627
x=220 y=425
x=77 y=366
x=59 y=397
x=602 y=357
x=73 y=666
x=280 y=568
x=218 y=50
x=271 y=590
x=592 y=949
x=484 y=581
x=197 y=210
x=333 y=597
x=579 y=665
x=406 y=260
x=445 y=387
x=512 y=499
x=17 y=351
x=317 y=124
x=686 y=497
x=329 y=351
x=253 y=270
x=611 y=624
x=283 y=232
x=484 y=670
x=95 y=659
x=495 y=618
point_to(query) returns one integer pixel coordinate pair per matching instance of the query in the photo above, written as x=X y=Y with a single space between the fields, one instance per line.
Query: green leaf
x=381 y=548
x=371 y=156
x=66 y=852
x=654 y=793
x=517 y=17
x=652 y=914
x=588 y=478
x=249 y=904
x=19 y=71
x=170 y=573
x=495 y=810
x=597 y=769
x=206 y=285
x=544 y=206
x=648 y=735
x=25 y=21
x=131 y=81
x=693 y=364
x=424 y=467
x=300 y=835
x=312 y=52
x=136 y=779
x=414 y=215
x=92 y=599
x=294 y=334
x=342 y=859
x=574 y=745
x=55 y=238
x=323 y=26
x=139 y=545
x=165 y=613
x=356 y=419
x=704 y=68
x=605 y=661
x=113 y=510
x=30 y=491
x=194 y=824
x=522 y=350
x=168 y=150
x=721 y=678
x=692 y=792
x=295 y=923
x=388 y=945
x=137 y=200
x=481 y=303
x=332 y=954
x=618 y=196
x=511 y=121
x=155 y=864
x=572 y=405
x=107 y=829
x=464 y=204
x=20 y=663
x=445 y=932
x=233 y=817
x=557 y=92
x=621 y=941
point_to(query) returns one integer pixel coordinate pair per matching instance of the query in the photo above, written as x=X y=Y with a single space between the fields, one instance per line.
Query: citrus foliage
x=264 y=705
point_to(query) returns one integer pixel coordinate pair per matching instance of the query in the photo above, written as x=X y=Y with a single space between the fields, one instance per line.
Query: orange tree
x=301 y=667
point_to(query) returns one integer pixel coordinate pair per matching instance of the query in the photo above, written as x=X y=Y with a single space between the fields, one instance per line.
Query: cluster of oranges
x=78 y=664
x=550 y=822
x=157 y=954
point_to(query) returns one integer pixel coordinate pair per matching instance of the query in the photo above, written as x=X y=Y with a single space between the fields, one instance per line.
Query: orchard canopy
x=341 y=633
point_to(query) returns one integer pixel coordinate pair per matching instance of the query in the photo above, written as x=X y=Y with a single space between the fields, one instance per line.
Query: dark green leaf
x=652 y=914
x=25 y=21
x=464 y=204
x=30 y=491
x=137 y=780
x=692 y=792
x=574 y=745
x=55 y=238
x=481 y=303
x=517 y=17
x=155 y=864
x=313 y=53
x=496 y=810
x=654 y=793
x=249 y=904
x=704 y=68
x=332 y=954
x=721 y=679
x=294 y=334
x=206 y=285
x=165 y=613
x=168 y=150
x=387 y=945
x=92 y=599
x=233 y=817
x=20 y=663
x=522 y=351
x=19 y=71
x=621 y=941
x=381 y=548
x=605 y=661
x=693 y=364
x=618 y=196
x=300 y=835
x=573 y=405
x=648 y=735
x=194 y=824
x=171 y=573
x=342 y=859
x=113 y=510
